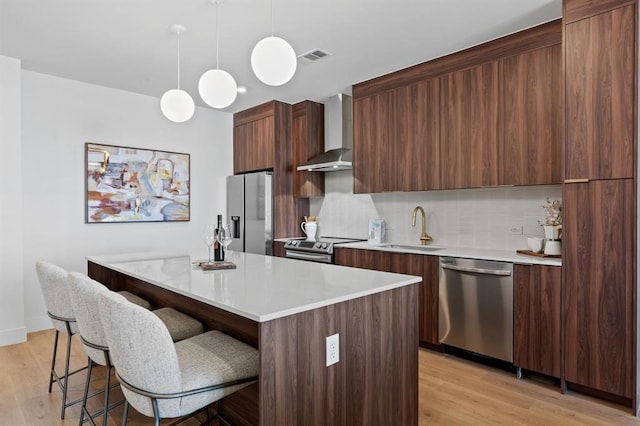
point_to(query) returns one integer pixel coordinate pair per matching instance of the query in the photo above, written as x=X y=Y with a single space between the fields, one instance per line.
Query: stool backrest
x=141 y=349
x=53 y=282
x=85 y=298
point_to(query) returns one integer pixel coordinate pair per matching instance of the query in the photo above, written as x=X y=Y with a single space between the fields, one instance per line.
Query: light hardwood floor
x=452 y=391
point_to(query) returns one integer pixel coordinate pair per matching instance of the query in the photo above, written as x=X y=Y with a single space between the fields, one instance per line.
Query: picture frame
x=126 y=184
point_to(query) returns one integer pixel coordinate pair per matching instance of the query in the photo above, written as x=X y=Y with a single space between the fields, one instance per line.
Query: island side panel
x=374 y=383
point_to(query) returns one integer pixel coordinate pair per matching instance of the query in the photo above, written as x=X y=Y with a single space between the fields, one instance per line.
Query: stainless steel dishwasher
x=476 y=306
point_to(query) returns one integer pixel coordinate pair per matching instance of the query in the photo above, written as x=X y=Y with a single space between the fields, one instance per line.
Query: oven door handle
x=326 y=258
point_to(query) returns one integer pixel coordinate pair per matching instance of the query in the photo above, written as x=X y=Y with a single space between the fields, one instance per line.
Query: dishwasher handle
x=475 y=270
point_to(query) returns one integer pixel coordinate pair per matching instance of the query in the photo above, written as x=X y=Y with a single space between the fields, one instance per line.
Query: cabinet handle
x=580 y=180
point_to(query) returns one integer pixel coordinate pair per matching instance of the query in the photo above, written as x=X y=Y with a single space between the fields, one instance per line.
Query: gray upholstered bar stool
x=85 y=295
x=52 y=280
x=163 y=379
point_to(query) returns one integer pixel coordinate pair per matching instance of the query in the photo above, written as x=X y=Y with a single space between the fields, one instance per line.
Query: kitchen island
x=286 y=308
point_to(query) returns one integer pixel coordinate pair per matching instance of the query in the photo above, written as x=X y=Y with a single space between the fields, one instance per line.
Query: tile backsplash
x=482 y=217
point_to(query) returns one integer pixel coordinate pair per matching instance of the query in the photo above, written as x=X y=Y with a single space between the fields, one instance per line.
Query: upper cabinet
x=469 y=127
x=262 y=140
x=486 y=116
x=600 y=91
x=254 y=139
x=530 y=149
x=307 y=140
x=421 y=161
x=378 y=132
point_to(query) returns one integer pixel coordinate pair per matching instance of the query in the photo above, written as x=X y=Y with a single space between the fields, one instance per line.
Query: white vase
x=551 y=232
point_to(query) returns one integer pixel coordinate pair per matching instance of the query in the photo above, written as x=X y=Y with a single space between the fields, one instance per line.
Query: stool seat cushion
x=180 y=326
x=136 y=300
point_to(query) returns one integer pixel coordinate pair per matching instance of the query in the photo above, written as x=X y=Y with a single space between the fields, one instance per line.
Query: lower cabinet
x=536 y=318
x=402 y=263
x=278 y=249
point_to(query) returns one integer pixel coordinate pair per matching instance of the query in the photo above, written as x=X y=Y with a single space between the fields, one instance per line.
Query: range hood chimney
x=338 y=130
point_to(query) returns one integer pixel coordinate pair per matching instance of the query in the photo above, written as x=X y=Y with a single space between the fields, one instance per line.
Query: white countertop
x=262 y=288
x=466 y=252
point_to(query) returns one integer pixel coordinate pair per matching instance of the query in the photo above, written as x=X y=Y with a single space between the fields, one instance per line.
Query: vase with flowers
x=552 y=226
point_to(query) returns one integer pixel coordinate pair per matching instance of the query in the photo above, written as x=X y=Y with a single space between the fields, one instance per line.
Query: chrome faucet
x=424 y=238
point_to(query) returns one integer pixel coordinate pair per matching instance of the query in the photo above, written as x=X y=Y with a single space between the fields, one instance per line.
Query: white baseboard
x=38 y=323
x=13 y=336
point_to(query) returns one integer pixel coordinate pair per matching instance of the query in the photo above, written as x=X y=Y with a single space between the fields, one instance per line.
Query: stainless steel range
x=320 y=250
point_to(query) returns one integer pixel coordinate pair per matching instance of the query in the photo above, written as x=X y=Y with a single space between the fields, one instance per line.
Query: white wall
x=12 y=328
x=58 y=117
x=455 y=218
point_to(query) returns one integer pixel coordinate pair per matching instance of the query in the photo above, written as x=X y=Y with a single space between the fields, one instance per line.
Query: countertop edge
x=464 y=252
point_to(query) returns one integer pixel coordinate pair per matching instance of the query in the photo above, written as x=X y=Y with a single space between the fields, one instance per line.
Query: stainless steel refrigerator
x=250 y=212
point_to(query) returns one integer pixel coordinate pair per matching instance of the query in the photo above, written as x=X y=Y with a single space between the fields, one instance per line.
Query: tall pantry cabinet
x=599 y=196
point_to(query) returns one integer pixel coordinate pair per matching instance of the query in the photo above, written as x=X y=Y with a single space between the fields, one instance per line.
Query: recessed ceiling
x=126 y=44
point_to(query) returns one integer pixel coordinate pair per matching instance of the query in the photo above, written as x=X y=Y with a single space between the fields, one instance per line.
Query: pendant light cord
x=217 y=38
x=178 y=60
x=271 y=18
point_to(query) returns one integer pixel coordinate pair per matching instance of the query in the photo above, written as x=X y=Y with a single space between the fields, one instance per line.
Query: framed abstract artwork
x=126 y=184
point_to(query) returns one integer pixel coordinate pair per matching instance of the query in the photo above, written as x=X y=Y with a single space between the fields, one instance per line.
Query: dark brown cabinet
x=536 y=318
x=485 y=116
x=262 y=141
x=421 y=162
x=307 y=140
x=469 y=127
x=254 y=139
x=600 y=67
x=599 y=196
x=411 y=264
x=530 y=149
x=278 y=249
x=379 y=131
x=365 y=259
x=598 y=262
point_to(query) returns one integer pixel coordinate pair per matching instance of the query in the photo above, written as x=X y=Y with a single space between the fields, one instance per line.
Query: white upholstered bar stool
x=163 y=379
x=52 y=280
x=85 y=296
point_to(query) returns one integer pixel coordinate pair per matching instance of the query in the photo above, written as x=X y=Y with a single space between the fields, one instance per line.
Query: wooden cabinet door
x=598 y=263
x=530 y=151
x=307 y=140
x=427 y=268
x=254 y=143
x=421 y=161
x=537 y=318
x=377 y=135
x=469 y=127
x=600 y=68
x=365 y=259
x=278 y=249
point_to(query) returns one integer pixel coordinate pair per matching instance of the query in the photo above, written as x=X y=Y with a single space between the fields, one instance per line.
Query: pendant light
x=217 y=87
x=177 y=105
x=273 y=60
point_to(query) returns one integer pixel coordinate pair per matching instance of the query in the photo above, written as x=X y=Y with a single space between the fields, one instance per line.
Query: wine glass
x=209 y=237
x=224 y=236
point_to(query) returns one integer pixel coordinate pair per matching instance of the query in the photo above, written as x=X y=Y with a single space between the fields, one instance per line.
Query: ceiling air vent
x=313 y=55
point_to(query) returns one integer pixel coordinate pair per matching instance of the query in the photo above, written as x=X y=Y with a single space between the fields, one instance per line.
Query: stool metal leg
x=86 y=392
x=66 y=377
x=53 y=360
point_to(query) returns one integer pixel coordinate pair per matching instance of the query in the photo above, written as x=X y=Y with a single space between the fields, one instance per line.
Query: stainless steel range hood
x=338 y=130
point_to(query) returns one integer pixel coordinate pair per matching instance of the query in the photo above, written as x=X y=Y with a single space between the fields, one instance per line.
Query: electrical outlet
x=333 y=349
x=516 y=230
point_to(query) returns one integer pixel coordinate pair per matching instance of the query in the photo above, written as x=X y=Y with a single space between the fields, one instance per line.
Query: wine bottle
x=218 y=248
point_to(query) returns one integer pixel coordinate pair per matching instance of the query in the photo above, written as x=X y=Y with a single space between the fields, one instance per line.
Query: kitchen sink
x=408 y=247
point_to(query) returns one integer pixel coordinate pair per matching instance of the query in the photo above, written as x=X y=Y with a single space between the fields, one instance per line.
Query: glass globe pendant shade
x=177 y=105
x=273 y=61
x=217 y=88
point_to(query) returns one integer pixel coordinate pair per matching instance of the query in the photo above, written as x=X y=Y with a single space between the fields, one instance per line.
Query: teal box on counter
x=376 y=231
